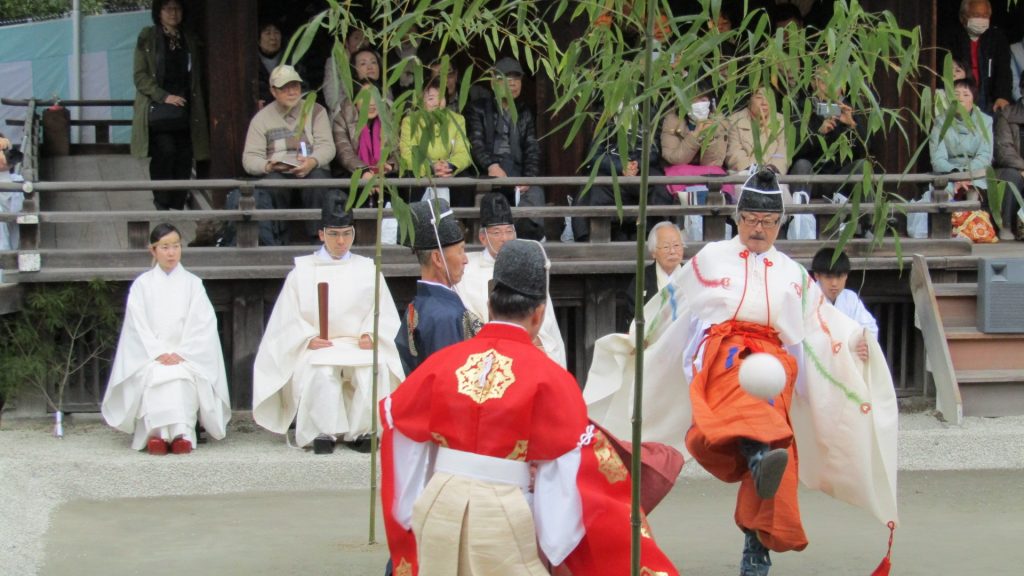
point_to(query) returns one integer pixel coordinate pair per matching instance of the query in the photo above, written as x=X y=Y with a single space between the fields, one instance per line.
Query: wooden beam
x=947 y=392
x=229 y=31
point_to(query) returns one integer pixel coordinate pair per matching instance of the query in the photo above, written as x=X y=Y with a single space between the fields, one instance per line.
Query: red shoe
x=156 y=446
x=181 y=446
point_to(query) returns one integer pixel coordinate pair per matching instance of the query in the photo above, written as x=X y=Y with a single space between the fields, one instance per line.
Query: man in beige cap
x=277 y=148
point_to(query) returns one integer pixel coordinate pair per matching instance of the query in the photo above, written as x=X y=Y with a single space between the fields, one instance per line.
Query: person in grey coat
x=1009 y=164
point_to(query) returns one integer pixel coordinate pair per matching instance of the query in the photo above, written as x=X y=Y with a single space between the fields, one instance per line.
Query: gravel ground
x=94 y=462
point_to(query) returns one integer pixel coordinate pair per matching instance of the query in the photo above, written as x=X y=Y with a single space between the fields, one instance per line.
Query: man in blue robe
x=436 y=317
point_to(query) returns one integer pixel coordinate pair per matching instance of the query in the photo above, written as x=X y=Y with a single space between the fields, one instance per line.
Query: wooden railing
x=715 y=213
x=101 y=126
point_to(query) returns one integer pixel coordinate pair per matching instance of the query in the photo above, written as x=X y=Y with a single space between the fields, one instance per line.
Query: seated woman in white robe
x=169 y=368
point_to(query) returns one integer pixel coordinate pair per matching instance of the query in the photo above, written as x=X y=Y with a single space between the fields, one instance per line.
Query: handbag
x=975 y=225
x=164 y=117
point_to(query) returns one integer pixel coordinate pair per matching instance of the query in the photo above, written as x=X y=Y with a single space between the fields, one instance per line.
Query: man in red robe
x=487 y=452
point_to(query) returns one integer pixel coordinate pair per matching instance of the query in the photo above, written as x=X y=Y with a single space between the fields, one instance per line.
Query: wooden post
x=599 y=313
x=246 y=333
x=28 y=225
x=940 y=224
x=714 y=226
x=247 y=231
x=229 y=31
x=138 y=234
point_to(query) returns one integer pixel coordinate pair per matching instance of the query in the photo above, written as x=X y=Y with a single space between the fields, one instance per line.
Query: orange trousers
x=723 y=414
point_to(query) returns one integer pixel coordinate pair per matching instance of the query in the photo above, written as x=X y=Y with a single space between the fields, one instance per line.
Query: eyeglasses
x=671 y=247
x=754 y=222
x=501 y=232
x=335 y=234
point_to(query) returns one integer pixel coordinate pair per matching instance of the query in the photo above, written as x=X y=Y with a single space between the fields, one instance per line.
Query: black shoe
x=766 y=466
x=756 y=561
x=323 y=444
x=768 y=471
x=360 y=444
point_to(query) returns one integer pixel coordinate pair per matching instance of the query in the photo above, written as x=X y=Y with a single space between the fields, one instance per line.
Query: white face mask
x=977 y=26
x=699 y=111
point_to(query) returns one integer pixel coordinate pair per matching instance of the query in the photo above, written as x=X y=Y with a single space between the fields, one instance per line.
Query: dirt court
x=967 y=522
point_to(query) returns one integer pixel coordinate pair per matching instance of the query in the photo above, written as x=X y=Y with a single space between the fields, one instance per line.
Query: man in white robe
x=743 y=295
x=831 y=278
x=325 y=384
x=497 y=228
x=168 y=367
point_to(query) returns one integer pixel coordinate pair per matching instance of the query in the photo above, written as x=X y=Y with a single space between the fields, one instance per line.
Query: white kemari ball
x=762 y=375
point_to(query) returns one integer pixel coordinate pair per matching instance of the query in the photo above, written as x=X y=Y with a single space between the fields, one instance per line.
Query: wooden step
x=992 y=392
x=989 y=376
x=958 y=304
x=970 y=349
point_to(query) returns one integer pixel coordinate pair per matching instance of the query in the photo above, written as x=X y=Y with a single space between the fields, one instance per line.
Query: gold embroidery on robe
x=403 y=568
x=608 y=462
x=645 y=571
x=519 y=452
x=439 y=440
x=485 y=376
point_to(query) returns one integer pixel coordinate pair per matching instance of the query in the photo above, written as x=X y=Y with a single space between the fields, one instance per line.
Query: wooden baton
x=321 y=293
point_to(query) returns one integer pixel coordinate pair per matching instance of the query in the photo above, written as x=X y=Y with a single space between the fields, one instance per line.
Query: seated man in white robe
x=324 y=384
x=497 y=228
x=169 y=367
x=831 y=277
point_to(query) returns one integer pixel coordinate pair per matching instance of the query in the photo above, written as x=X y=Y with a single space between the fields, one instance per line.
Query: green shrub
x=60 y=330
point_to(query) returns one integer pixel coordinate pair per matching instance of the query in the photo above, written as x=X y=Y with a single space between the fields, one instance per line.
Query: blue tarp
x=35 y=62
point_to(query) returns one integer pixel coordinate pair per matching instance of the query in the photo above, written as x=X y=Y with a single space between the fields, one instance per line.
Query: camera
x=828 y=109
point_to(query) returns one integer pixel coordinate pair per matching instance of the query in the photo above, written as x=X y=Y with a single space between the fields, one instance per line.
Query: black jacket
x=993 y=64
x=650 y=289
x=482 y=117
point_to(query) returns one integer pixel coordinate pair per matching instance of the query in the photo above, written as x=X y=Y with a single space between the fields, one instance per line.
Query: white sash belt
x=481 y=467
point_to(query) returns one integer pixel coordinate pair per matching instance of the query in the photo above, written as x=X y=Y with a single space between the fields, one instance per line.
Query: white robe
x=168 y=313
x=325 y=391
x=844 y=411
x=850 y=304
x=473 y=290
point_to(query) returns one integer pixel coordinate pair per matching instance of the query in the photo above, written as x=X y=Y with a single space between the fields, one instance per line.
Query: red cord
x=745 y=255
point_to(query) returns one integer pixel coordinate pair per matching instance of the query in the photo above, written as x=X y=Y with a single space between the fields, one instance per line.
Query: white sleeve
x=557 y=508
x=413 y=465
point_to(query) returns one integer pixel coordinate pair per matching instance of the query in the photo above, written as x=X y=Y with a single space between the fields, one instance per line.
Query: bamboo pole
x=647 y=128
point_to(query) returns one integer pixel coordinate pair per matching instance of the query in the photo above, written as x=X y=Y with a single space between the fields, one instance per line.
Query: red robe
x=532 y=412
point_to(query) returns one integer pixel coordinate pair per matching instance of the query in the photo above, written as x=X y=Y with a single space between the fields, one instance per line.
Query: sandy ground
x=87 y=504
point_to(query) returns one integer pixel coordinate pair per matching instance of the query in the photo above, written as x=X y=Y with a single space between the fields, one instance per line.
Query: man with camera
x=831 y=120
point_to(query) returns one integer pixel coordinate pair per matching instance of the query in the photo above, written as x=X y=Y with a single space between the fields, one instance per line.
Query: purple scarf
x=369 y=143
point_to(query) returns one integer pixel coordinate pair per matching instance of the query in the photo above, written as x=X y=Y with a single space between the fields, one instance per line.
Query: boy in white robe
x=325 y=384
x=169 y=367
x=831 y=277
x=497 y=228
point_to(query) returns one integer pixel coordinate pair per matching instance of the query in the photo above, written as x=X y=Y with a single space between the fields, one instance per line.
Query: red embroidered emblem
x=798 y=289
